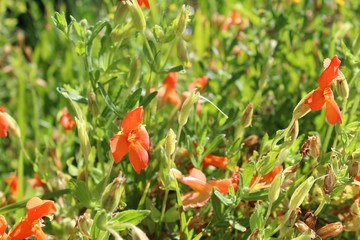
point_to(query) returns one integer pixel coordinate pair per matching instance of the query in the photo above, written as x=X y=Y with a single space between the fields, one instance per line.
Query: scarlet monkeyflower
x=323 y=96
x=199 y=83
x=66 y=120
x=36 y=182
x=167 y=91
x=4 y=125
x=268 y=178
x=144 y=3
x=133 y=139
x=3 y=226
x=31 y=224
x=202 y=188
x=216 y=161
x=12 y=182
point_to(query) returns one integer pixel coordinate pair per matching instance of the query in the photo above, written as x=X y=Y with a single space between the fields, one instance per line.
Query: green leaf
x=132 y=99
x=237 y=226
x=171 y=215
x=148 y=99
x=107 y=99
x=223 y=199
x=173 y=69
x=216 y=204
x=129 y=216
x=82 y=193
x=214 y=143
x=257 y=218
x=72 y=96
x=260 y=195
x=248 y=173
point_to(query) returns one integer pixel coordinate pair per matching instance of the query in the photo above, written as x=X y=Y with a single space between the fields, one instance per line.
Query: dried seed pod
x=310 y=219
x=246 y=117
x=354 y=169
x=330 y=230
x=329 y=180
x=304 y=228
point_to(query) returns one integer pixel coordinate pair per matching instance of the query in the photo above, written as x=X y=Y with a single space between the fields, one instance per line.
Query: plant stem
x=327 y=138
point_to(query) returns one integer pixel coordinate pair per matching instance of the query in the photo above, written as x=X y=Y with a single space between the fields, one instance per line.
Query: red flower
x=323 y=96
x=66 y=120
x=216 y=161
x=12 y=182
x=36 y=182
x=3 y=226
x=31 y=224
x=199 y=83
x=134 y=139
x=4 y=125
x=167 y=91
x=268 y=178
x=144 y=3
x=202 y=188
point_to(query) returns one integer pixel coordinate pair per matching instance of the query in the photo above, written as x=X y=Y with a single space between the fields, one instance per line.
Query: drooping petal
x=141 y=136
x=329 y=74
x=119 y=147
x=144 y=3
x=195 y=199
x=132 y=120
x=216 y=161
x=316 y=100
x=138 y=156
x=22 y=230
x=171 y=80
x=173 y=98
x=3 y=225
x=38 y=208
x=333 y=114
x=195 y=180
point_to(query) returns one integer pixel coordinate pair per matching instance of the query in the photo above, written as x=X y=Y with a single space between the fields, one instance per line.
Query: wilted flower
x=134 y=139
x=167 y=92
x=323 y=96
x=66 y=120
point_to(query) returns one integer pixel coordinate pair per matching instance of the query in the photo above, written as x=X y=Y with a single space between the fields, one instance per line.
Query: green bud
x=187 y=106
x=170 y=143
x=158 y=33
x=60 y=22
x=121 y=12
x=134 y=72
x=342 y=86
x=137 y=15
x=83 y=137
x=111 y=196
x=275 y=187
x=85 y=223
x=300 y=193
x=120 y=32
x=302 y=108
x=292 y=132
x=182 y=53
x=83 y=22
x=246 y=117
x=181 y=21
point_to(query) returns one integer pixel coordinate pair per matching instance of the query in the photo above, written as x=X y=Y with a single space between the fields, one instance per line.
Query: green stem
x=327 y=138
x=320 y=207
x=163 y=209
x=169 y=53
x=268 y=213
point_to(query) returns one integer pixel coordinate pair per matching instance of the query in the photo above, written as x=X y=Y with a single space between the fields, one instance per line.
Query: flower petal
x=195 y=199
x=316 y=100
x=142 y=137
x=3 y=225
x=196 y=180
x=143 y=3
x=4 y=125
x=38 y=208
x=138 y=156
x=37 y=231
x=119 y=147
x=171 y=80
x=199 y=83
x=132 y=120
x=330 y=73
x=333 y=114
x=22 y=230
x=222 y=185
x=216 y=161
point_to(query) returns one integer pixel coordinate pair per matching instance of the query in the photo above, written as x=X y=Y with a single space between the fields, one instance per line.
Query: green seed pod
x=342 y=86
x=83 y=137
x=111 y=197
x=300 y=193
x=302 y=108
x=292 y=132
x=93 y=108
x=170 y=143
x=134 y=72
x=137 y=15
x=181 y=21
x=275 y=187
x=182 y=53
x=246 y=117
x=187 y=106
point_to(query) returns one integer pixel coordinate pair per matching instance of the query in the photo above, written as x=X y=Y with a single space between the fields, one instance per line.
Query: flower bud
x=85 y=223
x=275 y=187
x=302 y=108
x=330 y=230
x=158 y=33
x=181 y=21
x=111 y=197
x=134 y=72
x=187 y=106
x=329 y=180
x=354 y=169
x=60 y=21
x=93 y=108
x=137 y=15
x=342 y=86
x=175 y=173
x=138 y=234
x=83 y=137
x=292 y=132
x=300 y=193
x=310 y=219
x=120 y=33
x=170 y=143
x=246 y=117
x=289 y=175
x=182 y=53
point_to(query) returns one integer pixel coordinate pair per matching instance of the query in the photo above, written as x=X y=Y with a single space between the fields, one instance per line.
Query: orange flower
x=3 y=226
x=216 y=161
x=268 y=178
x=233 y=19
x=134 y=139
x=4 y=125
x=167 y=91
x=144 y=3
x=31 y=224
x=202 y=188
x=36 y=182
x=323 y=96
x=66 y=120
x=12 y=182
x=199 y=83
